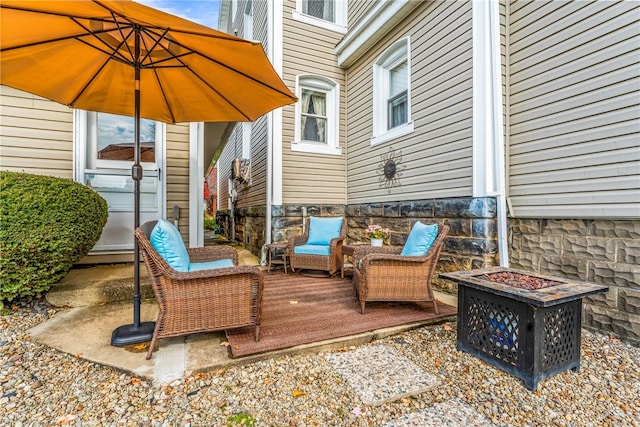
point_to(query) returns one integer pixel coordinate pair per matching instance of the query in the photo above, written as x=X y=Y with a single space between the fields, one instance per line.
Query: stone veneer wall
x=606 y=252
x=249 y=227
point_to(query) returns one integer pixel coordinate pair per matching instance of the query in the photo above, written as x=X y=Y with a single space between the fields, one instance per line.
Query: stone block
x=458 y=226
x=524 y=226
x=525 y=261
x=287 y=222
x=277 y=210
x=589 y=248
x=474 y=247
x=371 y=209
x=485 y=227
x=573 y=227
x=352 y=211
x=568 y=267
x=608 y=299
x=614 y=274
x=391 y=210
x=597 y=317
x=538 y=244
x=418 y=208
x=465 y=207
x=629 y=300
x=332 y=210
x=628 y=251
x=293 y=210
x=624 y=229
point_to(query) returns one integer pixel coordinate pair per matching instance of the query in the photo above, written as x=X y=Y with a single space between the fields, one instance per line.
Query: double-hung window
x=329 y=14
x=317 y=118
x=392 y=93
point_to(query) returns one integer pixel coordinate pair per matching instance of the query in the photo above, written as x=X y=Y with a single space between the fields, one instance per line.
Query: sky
x=203 y=12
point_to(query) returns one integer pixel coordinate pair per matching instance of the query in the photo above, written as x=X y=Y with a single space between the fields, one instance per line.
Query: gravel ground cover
x=40 y=386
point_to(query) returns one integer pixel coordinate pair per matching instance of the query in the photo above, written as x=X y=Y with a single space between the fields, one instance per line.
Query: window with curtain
x=328 y=14
x=392 y=93
x=314 y=116
x=317 y=115
x=322 y=9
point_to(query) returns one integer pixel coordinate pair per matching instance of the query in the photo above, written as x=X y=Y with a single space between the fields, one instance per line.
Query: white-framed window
x=317 y=115
x=392 y=93
x=329 y=14
x=248 y=21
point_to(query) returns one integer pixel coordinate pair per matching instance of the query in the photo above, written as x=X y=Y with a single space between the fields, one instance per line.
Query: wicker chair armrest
x=363 y=250
x=213 y=253
x=214 y=272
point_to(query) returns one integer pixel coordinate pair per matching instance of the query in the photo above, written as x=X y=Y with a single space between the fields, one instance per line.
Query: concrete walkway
x=99 y=300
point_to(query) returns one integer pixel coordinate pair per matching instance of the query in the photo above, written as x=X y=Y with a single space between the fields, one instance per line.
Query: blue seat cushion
x=322 y=230
x=420 y=239
x=312 y=250
x=221 y=263
x=167 y=241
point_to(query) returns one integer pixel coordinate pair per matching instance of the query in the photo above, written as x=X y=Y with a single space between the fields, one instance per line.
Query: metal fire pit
x=531 y=334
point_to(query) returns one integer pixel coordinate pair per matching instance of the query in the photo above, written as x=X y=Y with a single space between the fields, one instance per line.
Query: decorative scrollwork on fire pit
x=391 y=168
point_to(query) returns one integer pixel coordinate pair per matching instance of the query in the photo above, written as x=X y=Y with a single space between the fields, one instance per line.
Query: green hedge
x=46 y=225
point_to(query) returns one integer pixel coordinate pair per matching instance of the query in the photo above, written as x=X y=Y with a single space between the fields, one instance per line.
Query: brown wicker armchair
x=205 y=300
x=331 y=262
x=382 y=274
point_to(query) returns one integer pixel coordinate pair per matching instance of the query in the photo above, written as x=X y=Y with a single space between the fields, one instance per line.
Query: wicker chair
x=205 y=300
x=331 y=263
x=382 y=274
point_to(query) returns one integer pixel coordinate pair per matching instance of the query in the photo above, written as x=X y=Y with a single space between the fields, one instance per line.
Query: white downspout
x=488 y=153
x=274 y=123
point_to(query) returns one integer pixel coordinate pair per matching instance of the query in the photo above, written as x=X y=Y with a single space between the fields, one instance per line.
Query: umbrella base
x=129 y=334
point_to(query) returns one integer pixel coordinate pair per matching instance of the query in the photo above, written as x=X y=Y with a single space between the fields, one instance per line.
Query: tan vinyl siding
x=177 y=165
x=36 y=135
x=436 y=159
x=357 y=9
x=310 y=178
x=574 y=115
x=231 y=150
x=255 y=194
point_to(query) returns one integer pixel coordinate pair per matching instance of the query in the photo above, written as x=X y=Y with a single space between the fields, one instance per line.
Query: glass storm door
x=108 y=154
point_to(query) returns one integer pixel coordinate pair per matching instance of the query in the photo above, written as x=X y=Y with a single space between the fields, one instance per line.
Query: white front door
x=103 y=160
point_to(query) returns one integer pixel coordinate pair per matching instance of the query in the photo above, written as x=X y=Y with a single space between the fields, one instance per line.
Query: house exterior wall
x=436 y=158
x=573 y=109
x=356 y=10
x=573 y=144
x=310 y=178
x=35 y=134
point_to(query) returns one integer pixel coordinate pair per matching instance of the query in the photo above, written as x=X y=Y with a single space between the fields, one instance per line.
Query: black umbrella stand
x=137 y=332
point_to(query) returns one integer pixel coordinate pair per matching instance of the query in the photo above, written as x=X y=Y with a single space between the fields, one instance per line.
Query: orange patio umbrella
x=125 y=58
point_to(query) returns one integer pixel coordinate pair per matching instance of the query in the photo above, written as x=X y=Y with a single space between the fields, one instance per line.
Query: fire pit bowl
x=524 y=323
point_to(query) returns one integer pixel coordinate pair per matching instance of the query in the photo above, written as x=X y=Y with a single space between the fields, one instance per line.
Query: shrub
x=209 y=222
x=46 y=225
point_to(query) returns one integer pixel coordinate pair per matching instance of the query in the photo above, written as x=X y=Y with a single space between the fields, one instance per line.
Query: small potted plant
x=377 y=234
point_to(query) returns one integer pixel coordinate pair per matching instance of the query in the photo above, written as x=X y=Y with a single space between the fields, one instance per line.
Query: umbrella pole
x=137 y=332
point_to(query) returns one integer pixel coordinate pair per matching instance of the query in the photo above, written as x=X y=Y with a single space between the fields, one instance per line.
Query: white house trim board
x=196 y=184
x=371 y=28
x=488 y=140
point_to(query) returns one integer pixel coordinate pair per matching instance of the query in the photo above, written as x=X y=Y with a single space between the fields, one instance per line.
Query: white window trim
x=246 y=140
x=397 y=52
x=340 y=26
x=247 y=24
x=332 y=89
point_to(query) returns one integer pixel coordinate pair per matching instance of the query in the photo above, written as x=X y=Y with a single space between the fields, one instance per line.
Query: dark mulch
x=301 y=309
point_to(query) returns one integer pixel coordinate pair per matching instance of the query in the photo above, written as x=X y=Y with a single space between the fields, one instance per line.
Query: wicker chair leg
x=435 y=306
x=362 y=303
x=152 y=346
x=257 y=333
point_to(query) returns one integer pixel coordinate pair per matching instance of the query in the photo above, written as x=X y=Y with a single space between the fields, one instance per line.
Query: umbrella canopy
x=83 y=54
x=125 y=58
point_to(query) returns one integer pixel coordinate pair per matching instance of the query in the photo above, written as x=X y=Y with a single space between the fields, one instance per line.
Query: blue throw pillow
x=420 y=239
x=167 y=241
x=322 y=230
x=221 y=263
